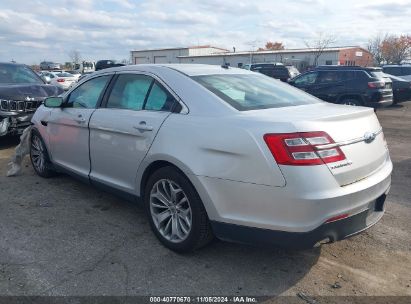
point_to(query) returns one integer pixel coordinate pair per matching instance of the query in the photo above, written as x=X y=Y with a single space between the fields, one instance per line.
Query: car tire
x=175 y=211
x=39 y=156
x=351 y=102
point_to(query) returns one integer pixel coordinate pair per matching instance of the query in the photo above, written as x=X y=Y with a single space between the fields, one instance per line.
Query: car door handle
x=79 y=119
x=142 y=126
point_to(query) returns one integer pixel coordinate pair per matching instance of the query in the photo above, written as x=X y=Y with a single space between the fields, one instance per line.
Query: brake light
x=303 y=148
x=376 y=84
x=60 y=80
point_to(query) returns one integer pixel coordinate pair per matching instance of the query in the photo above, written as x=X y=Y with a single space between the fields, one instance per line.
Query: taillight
x=60 y=80
x=303 y=148
x=376 y=84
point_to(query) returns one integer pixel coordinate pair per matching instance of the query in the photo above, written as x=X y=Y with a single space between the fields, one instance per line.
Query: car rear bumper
x=326 y=233
x=380 y=100
x=302 y=207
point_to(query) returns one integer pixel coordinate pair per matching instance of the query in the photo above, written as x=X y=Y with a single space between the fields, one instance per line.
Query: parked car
x=76 y=74
x=48 y=65
x=275 y=70
x=401 y=88
x=64 y=80
x=219 y=151
x=350 y=85
x=104 y=64
x=403 y=71
x=21 y=92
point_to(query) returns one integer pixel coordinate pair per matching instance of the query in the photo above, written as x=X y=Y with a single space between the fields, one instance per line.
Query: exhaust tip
x=322 y=242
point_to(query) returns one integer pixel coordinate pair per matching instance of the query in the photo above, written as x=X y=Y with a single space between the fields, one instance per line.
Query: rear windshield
x=64 y=75
x=377 y=74
x=253 y=92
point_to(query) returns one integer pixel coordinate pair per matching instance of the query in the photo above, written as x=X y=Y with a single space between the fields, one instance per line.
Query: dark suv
x=105 y=64
x=352 y=85
x=21 y=92
x=275 y=70
x=403 y=71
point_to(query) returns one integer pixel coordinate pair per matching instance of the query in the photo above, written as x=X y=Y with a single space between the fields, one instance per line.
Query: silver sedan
x=218 y=151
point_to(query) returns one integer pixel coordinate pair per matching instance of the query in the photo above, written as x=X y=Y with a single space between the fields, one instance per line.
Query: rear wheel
x=39 y=156
x=175 y=211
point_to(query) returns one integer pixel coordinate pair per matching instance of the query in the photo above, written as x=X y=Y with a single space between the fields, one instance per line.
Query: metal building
x=300 y=58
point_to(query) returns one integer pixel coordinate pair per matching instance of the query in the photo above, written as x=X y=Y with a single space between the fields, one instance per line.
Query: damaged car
x=21 y=93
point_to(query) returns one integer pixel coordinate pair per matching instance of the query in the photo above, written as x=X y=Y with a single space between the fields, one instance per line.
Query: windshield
x=252 y=92
x=18 y=74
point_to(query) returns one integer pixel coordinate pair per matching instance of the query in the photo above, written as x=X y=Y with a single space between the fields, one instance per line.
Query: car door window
x=87 y=95
x=327 y=77
x=159 y=99
x=306 y=79
x=129 y=92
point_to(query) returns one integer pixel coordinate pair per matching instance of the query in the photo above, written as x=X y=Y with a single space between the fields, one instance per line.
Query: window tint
x=406 y=71
x=329 y=77
x=87 y=95
x=251 y=92
x=392 y=71
x=306 y=79
x=159 y=99
x=129 y=92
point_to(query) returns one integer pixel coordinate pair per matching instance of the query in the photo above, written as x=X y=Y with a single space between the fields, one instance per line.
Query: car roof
x=396 y=65
x=187 y=69
x=268 y=63
x=347 y=67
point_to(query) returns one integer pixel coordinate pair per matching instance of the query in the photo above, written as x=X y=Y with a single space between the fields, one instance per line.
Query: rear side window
x=255 y=91
x=129 y=92
x=406 y=71
x=328 y=77
x=159 y=99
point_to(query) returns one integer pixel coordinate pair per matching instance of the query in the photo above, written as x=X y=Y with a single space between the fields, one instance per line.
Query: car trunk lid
x=355 y=130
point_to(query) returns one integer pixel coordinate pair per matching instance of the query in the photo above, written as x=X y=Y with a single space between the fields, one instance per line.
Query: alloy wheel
x=37 y=154
x=170 y=210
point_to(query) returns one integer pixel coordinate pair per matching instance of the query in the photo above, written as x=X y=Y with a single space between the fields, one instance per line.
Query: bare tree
x=374 y=46
x=319 y=44
x=75 y=56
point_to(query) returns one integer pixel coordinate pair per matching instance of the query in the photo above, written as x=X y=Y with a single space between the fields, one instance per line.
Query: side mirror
x=53 y=102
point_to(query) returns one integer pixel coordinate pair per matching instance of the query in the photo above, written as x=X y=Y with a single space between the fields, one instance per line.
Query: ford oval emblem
x=369 y=137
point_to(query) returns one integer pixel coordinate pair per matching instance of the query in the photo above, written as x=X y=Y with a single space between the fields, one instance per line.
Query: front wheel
x=175 y=211
x=39 y=156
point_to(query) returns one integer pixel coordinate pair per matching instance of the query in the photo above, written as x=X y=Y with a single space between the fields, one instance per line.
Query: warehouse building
x=300 y=58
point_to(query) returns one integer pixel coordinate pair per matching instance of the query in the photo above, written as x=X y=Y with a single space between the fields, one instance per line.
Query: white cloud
x=111 y=28
x=32 y=44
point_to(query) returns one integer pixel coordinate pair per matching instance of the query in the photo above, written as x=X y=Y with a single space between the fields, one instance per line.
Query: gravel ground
x=61 y=237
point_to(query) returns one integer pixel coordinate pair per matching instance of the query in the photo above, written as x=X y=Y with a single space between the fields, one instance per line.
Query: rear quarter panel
x=215 y=147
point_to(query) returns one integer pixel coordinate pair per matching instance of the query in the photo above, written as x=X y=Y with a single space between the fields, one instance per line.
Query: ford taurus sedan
x=219 y=151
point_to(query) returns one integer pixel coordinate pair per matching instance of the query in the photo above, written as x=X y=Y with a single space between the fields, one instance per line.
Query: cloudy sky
x=31 y=31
